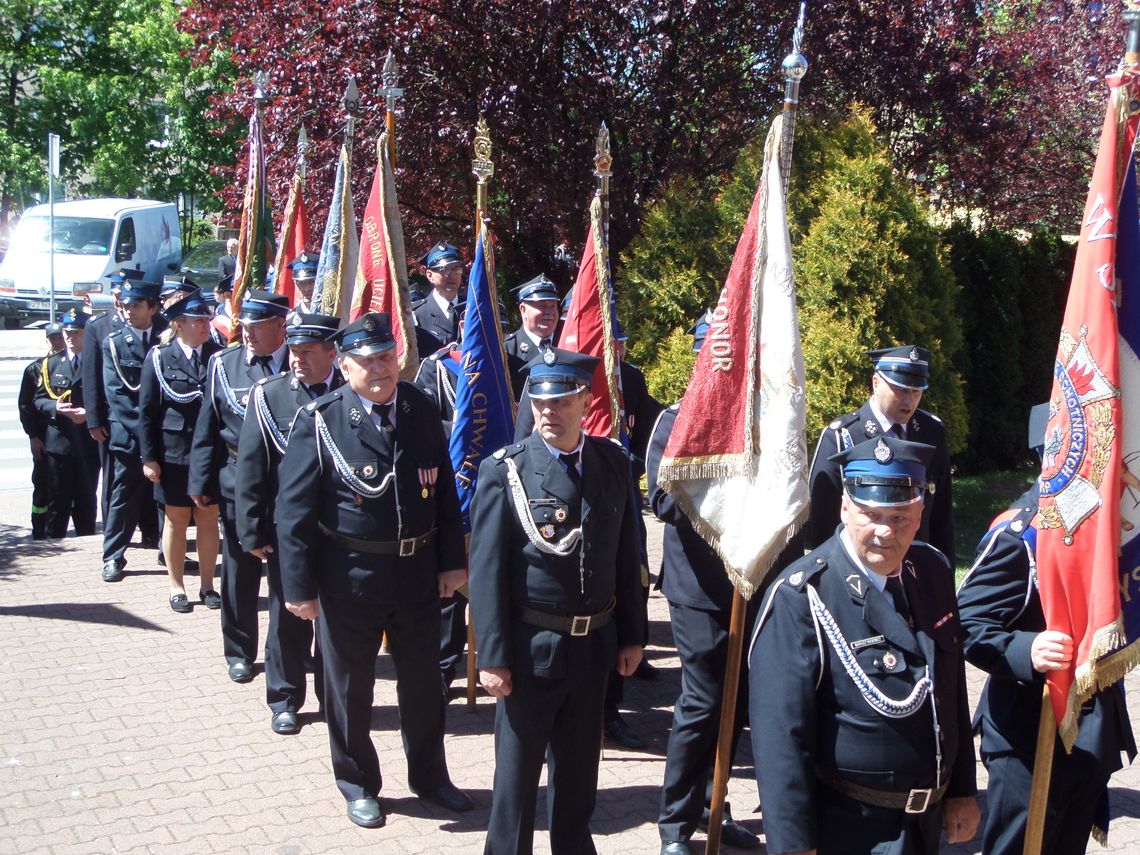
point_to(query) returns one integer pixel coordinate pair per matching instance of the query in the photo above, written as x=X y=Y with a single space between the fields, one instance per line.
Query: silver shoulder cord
x=265 y=419
x=443 y=380
x=177 y=397
x=118 y=368
x=227 y=390
x=342 y=467
x=522 y=507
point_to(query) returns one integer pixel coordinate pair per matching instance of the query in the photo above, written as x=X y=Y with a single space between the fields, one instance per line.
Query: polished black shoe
x=211 y=599
x=180 y=603
x=285 y=723
x=366 y=813
x=674 y=847
x=241 y=672
x=113 y=570
x=623 y=734
x=448 y=796
x=732 y=833
x=646 y=671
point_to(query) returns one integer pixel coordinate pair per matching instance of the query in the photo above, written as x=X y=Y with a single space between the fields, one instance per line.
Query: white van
x=92 y=238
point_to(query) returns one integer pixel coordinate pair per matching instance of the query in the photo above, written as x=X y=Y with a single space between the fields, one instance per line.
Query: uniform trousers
x=452 y=635
x=241 y=586
x=288 y=648
x=130 y=506
x=561 y=721
x=41 y=493
x=105 y=485
x=1075 y=790
x=73 y=480
x=701 y=638
x=845 y=826
x=348 y=635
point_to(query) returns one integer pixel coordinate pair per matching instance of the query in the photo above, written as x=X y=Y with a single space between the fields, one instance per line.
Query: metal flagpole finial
x=260 y=85
x=482 y=166
x=302 y=152
x=351 y=99
x=390 y=76
x=795 y=64
x=1131 y=14
x=603 y=161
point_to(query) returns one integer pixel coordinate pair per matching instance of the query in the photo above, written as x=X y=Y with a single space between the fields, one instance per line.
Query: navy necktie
x=570 y=461
x=895 y=588
x=384 y=410
x=318 y=389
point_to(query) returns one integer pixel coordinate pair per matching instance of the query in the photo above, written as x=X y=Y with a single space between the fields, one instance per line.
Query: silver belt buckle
x=580 y=625
x=919 y=800
x=407 y=547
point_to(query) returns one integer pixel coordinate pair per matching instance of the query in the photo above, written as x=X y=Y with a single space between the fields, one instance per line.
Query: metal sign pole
x=53 y=173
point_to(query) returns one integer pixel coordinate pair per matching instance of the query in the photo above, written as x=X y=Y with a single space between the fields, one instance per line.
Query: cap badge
x=871 y=427
x=560 y=515
x=296 y=320
x=883 y=453
x=914 y=354
x=369 y=324
x=549 y=357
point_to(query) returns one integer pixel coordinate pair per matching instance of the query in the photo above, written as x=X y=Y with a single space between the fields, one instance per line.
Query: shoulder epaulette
x=508 y=451
x=797 y=576
x=323 y=401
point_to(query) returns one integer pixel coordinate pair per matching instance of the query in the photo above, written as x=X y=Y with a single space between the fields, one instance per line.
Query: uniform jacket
x=32 y=420
x=261 y=448
x=437 y=378
x=314 y=494
x=61 y=434
x=826 y=484
x=96 y=333
x=218 y=428
x=123 y=358
x=508 y=571
x=692 y=574
x=520 y=350
x=814 y=714
x=166 y=426
x=1001 y=615
x=430 y=318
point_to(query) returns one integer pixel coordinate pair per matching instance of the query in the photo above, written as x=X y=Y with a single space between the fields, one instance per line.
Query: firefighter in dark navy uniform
x=261 y=448
x=438 y=313
x=557 y=601
x=370 y=533
x=1006 y=637
x=901 y=375
x=857 y=685
x=34 y=424
x=231 y=376
x=538 y=308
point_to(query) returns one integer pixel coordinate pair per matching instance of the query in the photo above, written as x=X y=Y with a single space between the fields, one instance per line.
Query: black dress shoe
x=285 y=723
x=732 y=833
x=211 y=599
x=646 y=671
x=675 y=847
x=623 y=734
x=448 y=796
x=113 y=570
x=180 y=604
x=366 y=813
x=241 y=672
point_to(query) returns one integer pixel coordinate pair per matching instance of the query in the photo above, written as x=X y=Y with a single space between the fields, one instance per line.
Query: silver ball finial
x=795 y=66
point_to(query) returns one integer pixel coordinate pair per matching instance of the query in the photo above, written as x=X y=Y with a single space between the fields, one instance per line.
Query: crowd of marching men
x=297 y=453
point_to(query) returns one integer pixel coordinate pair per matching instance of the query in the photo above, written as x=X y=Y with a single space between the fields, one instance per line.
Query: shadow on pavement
x=16 y=543
x=104 y=613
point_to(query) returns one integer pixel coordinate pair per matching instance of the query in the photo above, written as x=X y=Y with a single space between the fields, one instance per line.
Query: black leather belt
x=576 y=625
x=404 y=548
x=918 y=800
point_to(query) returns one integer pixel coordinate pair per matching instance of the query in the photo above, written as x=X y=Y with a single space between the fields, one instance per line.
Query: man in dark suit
x=557 y=602
x=264 y=434
x=370 y=533
x=857 y=684
x=438 y=312
x=131 y=503
x=72 y=453
x=232 y=375
x=227 y=263
x=538 y=308
x=35 y=426
x=901 y=375
x=1006 y=637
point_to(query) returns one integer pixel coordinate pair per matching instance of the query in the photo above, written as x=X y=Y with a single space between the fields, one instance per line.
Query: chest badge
x=890 y=661
x=368 y=471
x=560 y=515
x=428 y=477
x=547 y=531
x=357 y=499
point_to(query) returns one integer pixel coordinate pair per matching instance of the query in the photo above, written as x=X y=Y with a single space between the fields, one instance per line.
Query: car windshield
x=205 y=255
x=72 y=235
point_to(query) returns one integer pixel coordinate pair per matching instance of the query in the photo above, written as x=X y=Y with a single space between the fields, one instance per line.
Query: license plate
x=42 y=305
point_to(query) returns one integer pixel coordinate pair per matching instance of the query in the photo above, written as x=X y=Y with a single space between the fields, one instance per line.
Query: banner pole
x=727 y=720
x=1042 y=772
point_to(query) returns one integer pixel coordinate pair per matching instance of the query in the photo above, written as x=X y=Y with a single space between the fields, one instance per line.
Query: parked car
x=201 y=263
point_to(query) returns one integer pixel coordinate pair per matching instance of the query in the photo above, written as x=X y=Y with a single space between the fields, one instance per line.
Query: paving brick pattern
x=120 y=733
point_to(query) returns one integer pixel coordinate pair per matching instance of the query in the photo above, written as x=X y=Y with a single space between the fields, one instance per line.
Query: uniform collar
x=883 y=421
x=877 y=580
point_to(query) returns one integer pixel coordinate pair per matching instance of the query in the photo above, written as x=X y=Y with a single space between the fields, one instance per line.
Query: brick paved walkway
x=120 y=732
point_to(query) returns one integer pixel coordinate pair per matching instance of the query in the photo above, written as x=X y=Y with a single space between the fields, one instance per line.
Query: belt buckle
x=580 y=625
x=919 y=800
x=407 y=547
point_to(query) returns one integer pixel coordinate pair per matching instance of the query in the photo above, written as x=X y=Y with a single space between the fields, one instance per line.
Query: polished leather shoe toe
x=623 y=734
x=675 y=847
x=448 y=796
x=241 y=672
x=285 y=723
x=737 y=836
x=366 y=813
x=113 y=571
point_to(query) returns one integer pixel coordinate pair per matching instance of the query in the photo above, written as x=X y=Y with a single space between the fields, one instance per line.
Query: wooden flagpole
x=390 y=75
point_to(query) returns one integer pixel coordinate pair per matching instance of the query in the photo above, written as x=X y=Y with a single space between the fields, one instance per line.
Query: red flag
x=382 y=274
x=589 y=328
x=1079 y=521
x=293 y=241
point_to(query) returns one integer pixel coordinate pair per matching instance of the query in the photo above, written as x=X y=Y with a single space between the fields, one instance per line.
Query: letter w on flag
x=737 y=459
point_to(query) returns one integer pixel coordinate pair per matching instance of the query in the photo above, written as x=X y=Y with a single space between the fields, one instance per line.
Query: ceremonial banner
x=336 y=271
x=737 y=459
x=255 y=239
x=382 y=278
x=293 y=241
x=484 y=404
x=589 y=328
x=1088 y=521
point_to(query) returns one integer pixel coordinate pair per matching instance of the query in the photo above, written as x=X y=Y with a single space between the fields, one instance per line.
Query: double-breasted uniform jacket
x=96 y=333
x=826 y=483
x=32 y=420
x=836 y=676
x=261 y=448
x=342 y=477
x=123 y=357
x=432 y=319
x=62 y=435
x=166 y=424
x=509 y=572
x=229 y=383
x=437 y=378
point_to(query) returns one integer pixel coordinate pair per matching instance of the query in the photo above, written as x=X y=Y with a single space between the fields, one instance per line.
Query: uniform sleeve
x=631 y=614
x=664 y=506
x=491 y=530
x=298 y=514
x=204 y=446
x=252 y=482
x=94 y=396
x=964 y=776
x=991 y=599
x=26 y=403
x=150 y=401
x=45 y=405
x=784 y=666
x=942 y=515
x=826 y=492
